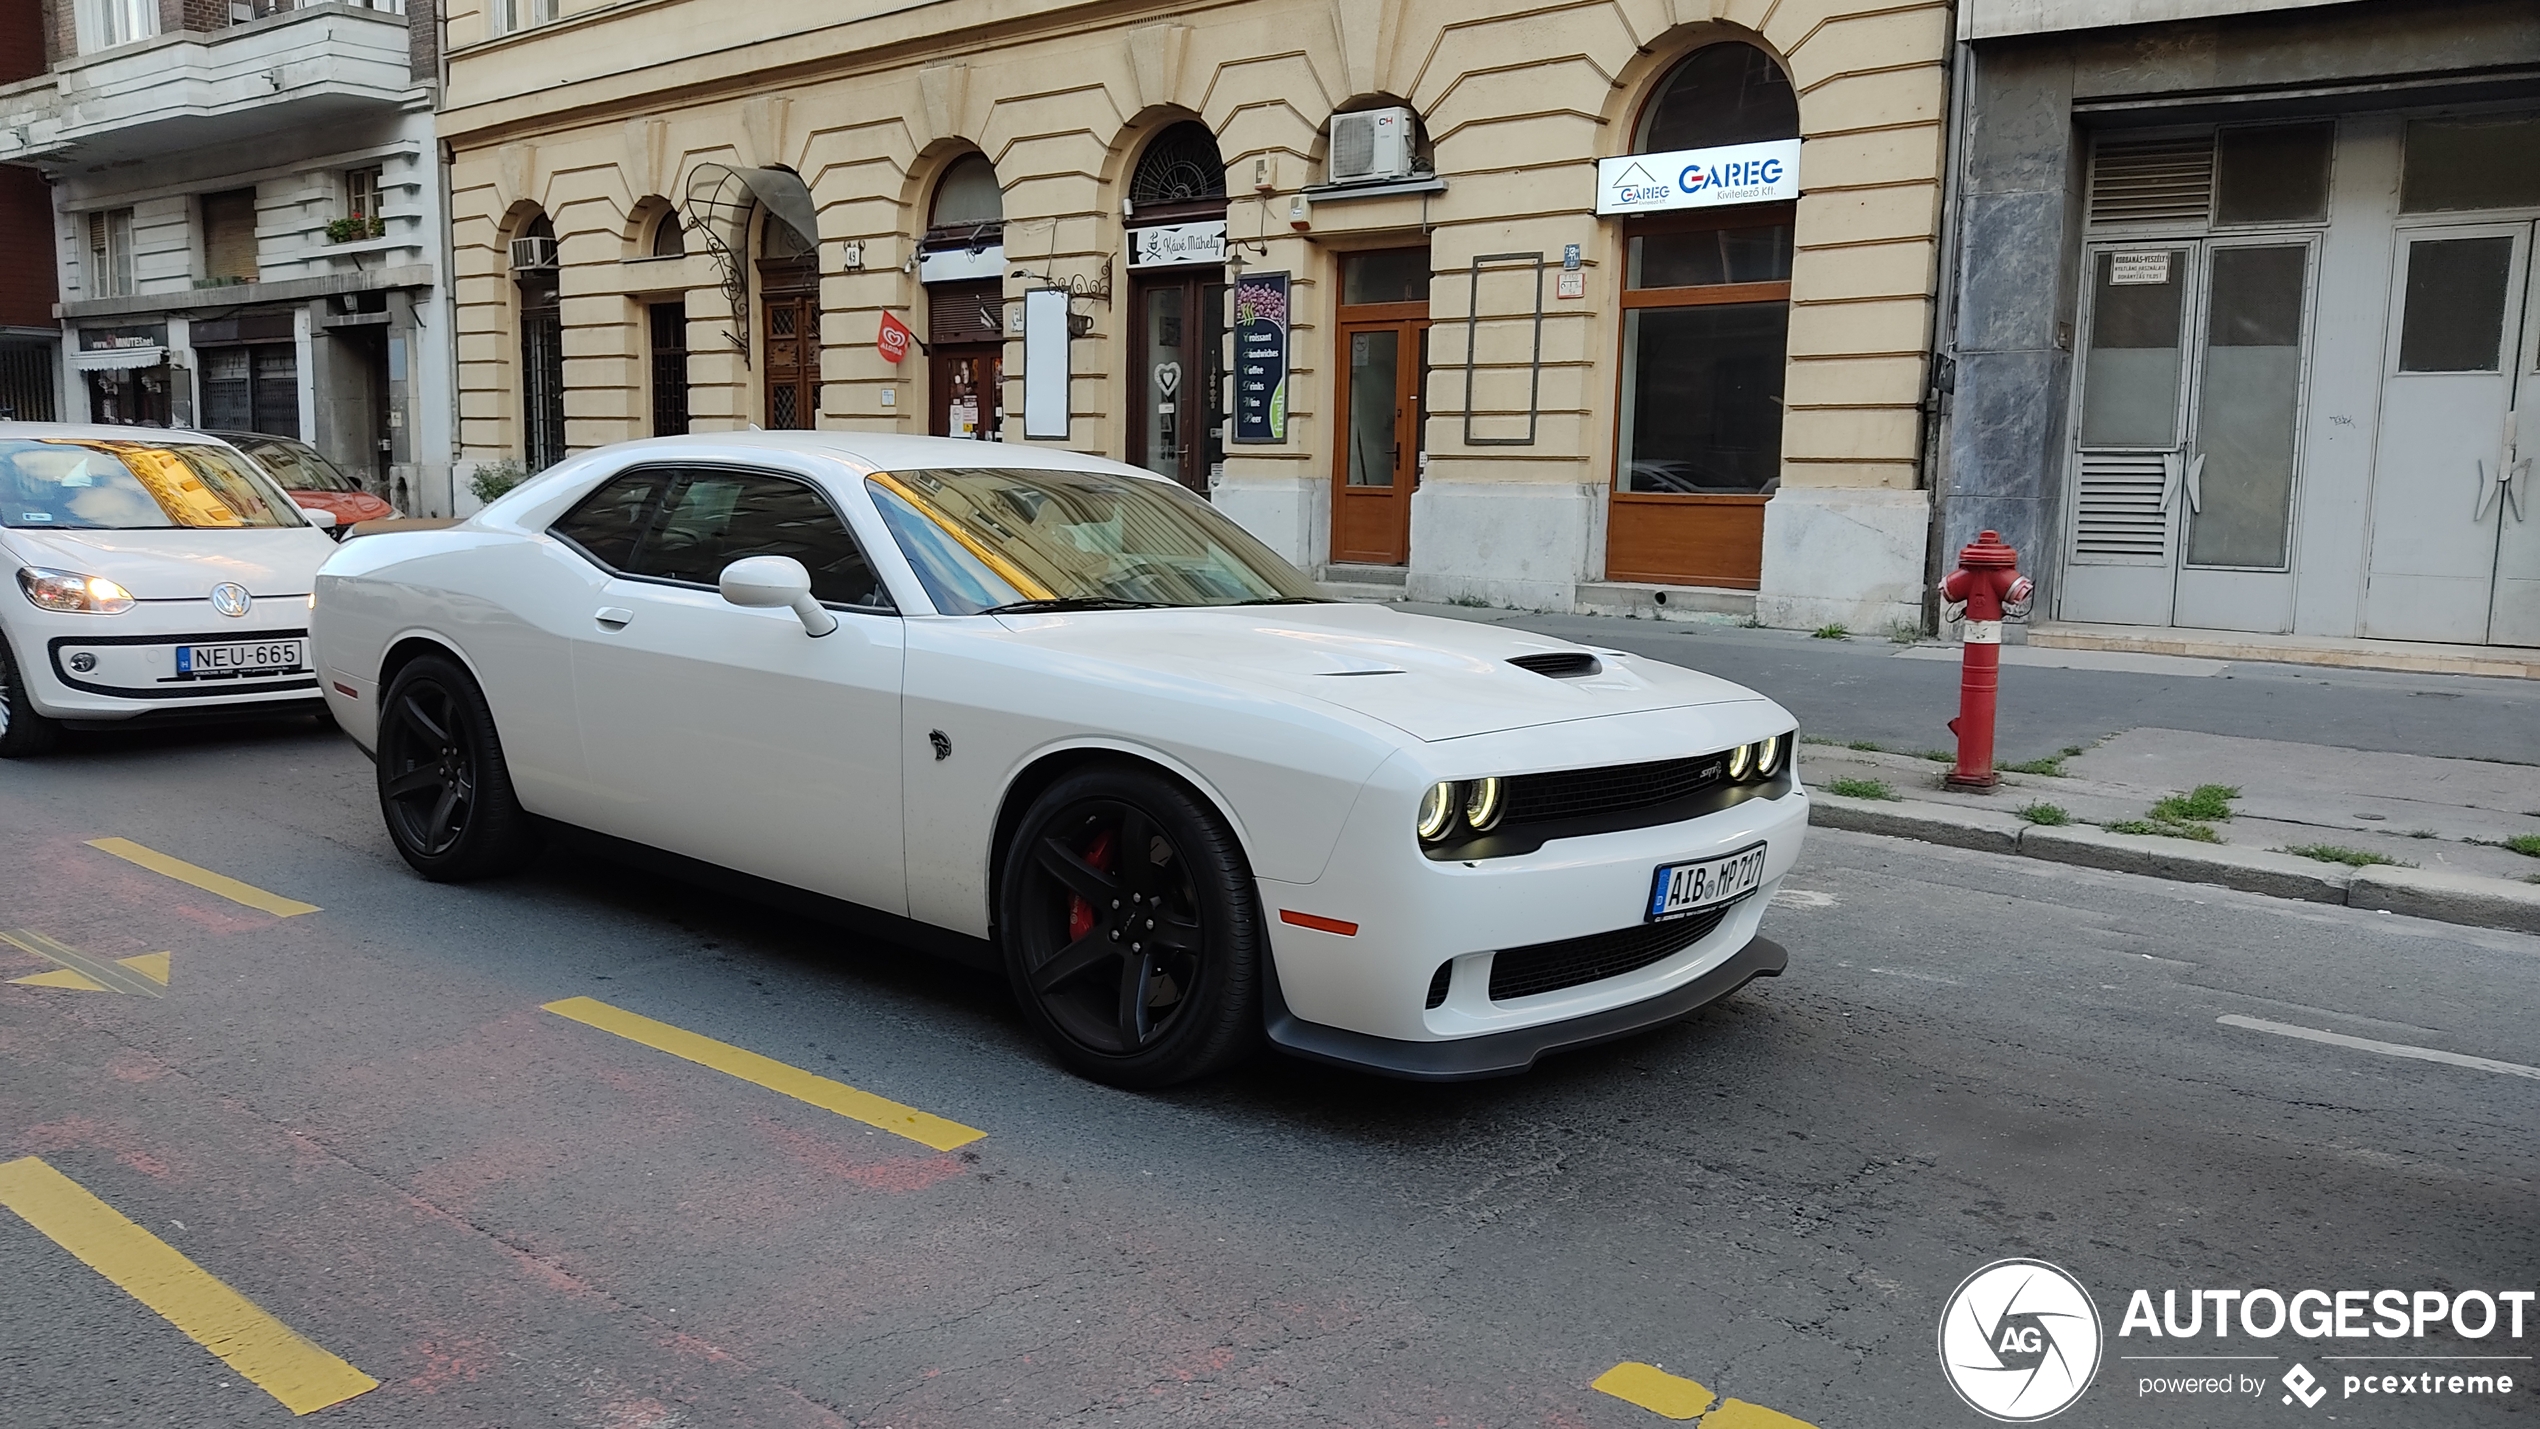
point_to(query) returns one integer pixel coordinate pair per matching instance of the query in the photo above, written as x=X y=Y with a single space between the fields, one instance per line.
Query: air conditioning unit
x=1373 y=145
x=531 y=255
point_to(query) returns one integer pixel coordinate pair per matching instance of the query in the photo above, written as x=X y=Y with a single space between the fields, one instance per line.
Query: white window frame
x=108 y=248
x=104 y=24
x=510 y=17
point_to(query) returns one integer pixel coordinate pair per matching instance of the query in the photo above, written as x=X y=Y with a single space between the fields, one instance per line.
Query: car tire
x=1139 y=973
x=22 y=731
x=444 y=791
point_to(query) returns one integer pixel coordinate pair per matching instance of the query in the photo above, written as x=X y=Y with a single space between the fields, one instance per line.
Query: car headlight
x=1741 y=759
x=1482 y=804
x=1761 y=759
x=1768 y=756
x=1437 y=812
x=69 y=591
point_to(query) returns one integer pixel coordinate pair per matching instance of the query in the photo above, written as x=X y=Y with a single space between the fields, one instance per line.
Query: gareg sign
x=1698 y=178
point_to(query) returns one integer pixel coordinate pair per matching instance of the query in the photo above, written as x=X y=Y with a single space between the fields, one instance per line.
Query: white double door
x=2188 y=435
x=2455 y=542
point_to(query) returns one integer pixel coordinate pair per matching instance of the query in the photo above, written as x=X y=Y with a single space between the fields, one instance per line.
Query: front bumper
x=1505 y=1054
x=132 y=663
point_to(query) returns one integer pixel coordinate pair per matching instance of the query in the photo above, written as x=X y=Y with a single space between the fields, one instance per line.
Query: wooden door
x=1177 y=376
x=966 y=391
x=792 y=344
x=1383 y=399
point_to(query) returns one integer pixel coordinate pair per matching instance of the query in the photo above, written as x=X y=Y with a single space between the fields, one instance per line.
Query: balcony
x=195 y=89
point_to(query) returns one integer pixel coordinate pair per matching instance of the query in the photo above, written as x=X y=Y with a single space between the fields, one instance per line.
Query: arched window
x=1706 y=328
x=967 y=198
x=1725 y=94
x=541 y=348
x=1180 y=166
x=670 y=233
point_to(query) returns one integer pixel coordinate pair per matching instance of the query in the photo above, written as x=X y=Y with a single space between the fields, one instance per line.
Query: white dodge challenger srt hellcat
x=1065 y=712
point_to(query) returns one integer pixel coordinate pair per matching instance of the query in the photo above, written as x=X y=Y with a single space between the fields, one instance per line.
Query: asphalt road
x=361 y=1119
x=1858 y=689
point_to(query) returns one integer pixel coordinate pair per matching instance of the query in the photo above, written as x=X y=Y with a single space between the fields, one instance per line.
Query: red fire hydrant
x=1987 y=579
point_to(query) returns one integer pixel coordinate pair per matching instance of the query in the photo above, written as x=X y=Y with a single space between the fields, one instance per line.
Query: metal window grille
x=26 y=383
x=670 y=369
x=2152 y=180
x=542 y=387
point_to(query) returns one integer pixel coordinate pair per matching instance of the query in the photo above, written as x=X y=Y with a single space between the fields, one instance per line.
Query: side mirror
x=322 y=519
x=765 y=582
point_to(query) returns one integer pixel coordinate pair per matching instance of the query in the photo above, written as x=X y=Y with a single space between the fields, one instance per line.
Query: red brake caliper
x=1080 y=914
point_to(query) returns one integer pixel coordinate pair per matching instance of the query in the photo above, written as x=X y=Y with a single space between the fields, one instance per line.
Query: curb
x=2419 y=893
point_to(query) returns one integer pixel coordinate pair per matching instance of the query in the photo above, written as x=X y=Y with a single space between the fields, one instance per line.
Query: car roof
x=886 y=451
x=106 y=432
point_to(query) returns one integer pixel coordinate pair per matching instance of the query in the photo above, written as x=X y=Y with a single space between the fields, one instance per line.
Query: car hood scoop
x=1429 y=677
x=183 y=564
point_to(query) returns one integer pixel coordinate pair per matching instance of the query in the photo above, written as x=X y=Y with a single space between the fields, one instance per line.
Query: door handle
x=2512 y=484
x=2169 y=480
x=2488 y=490
x=613 y=617
x=2196 y=484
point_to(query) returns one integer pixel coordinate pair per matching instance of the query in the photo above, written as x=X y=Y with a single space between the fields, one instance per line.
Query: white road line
x=2387 y=1049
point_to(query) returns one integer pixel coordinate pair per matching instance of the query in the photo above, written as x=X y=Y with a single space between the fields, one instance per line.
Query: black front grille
x=1549 y=967
x=1437 y=985
x=1570 y=793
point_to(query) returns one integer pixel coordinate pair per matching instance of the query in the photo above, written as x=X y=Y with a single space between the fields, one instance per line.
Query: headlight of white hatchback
x=73 y=593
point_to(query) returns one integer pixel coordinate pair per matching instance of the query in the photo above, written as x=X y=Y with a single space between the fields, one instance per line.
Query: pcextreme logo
x=2019 y=1341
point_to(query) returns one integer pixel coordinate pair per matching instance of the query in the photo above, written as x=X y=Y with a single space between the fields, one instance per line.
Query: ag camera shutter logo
x=2020 y=1341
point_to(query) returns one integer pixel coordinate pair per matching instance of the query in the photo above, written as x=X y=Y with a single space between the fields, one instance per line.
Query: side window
x=713 y=518
x=606 y=524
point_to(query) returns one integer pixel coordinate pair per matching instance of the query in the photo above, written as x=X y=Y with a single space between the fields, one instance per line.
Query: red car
x=310 y=479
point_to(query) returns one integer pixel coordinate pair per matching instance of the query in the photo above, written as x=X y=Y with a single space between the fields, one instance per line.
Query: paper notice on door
x=964 y=418
x=2126 y=269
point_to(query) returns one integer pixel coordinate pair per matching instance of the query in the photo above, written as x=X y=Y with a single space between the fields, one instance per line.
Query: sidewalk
x=2404 y=791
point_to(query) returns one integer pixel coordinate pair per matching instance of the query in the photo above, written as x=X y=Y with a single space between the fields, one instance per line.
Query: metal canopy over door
x=2187 y=442
x=2453 y=558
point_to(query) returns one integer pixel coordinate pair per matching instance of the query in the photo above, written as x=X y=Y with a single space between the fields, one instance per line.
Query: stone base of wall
x=1522 y=544
x=1286 y=512
x=1843 y=556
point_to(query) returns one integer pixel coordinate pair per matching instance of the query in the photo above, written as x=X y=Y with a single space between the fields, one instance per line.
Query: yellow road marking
x=280 y=1361
x=142 y=976
x=204 y=878
x=1738 y=1414
x=1654 y=1389
x=924 y=1128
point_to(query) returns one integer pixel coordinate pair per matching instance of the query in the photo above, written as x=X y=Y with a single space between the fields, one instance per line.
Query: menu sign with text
x=1261 y=357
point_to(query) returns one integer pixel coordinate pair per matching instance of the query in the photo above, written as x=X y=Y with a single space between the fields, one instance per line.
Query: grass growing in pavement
x=2205 y=801
x=1936 y=756
x=2201 y=833
x=1871 y=745
x=1836 y=631
x=2351 y=857
x=1861 y=788
x=2528 y=845
x=2042 y=812
x=2050 y=764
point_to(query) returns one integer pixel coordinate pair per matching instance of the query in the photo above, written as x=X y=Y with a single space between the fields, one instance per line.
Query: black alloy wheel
x=1131 y=929
x=22 y=730
x=444 y=790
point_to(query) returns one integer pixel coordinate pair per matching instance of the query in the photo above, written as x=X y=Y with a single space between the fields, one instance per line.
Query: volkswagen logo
x=2020 y=1341
x=231 y=599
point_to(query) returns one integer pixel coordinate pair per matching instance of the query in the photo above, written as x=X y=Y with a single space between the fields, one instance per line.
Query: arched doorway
x=789 y=310
x=1706 y=330
x=962 y=263
x=534 y=270
x=1177 y=304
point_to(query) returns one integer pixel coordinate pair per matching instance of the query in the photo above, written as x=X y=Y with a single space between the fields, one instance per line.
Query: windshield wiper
x=1072 y=602
x=1291 y=600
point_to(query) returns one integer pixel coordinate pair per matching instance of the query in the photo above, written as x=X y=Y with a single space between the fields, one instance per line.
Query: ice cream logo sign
x=1698 y=178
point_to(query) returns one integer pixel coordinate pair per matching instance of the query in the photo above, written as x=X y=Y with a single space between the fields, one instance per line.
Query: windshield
x=984 y=539
x=296 y=465
x=90 y=484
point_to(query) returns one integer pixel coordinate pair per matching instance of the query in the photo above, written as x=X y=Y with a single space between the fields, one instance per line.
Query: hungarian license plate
x=258 y=657
x=1683 y=888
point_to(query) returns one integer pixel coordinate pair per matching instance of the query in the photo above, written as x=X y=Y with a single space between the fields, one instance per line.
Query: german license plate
x=1683 y=888
x=259 y=657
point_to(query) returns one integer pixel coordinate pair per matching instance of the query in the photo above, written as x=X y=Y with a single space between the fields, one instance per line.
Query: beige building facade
x=1337 y=264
